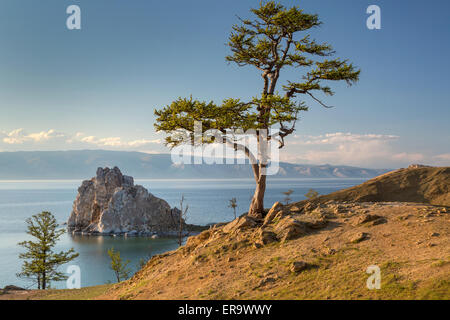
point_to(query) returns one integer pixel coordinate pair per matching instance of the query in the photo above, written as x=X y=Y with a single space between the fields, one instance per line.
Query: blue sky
x=97 y=87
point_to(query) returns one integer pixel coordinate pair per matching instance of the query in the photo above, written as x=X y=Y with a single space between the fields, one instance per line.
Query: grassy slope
x=414 y=263
x=422 y=185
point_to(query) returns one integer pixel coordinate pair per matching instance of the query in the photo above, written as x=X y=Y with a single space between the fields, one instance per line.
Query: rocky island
x=111 y=204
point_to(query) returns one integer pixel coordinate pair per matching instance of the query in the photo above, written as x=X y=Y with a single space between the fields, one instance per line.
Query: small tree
x=275 y=39
x=312 y=194
x=120 y=267
x=233 y=205
x=287 y=197
x=182 y=220
x=41 y=263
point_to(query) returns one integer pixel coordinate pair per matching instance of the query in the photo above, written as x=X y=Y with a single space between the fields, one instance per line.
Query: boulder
x=271 y=216
x=357 y=238
x=289 y=229
x=267 y=237
x=370 y=219
x=277 y=206
x=298 y=266
x=111 y=203
x=314 y=223
x=276 y=209
x=243 y=222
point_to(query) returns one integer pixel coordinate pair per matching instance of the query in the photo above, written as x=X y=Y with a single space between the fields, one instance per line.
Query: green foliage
x=312 y=194
x=233 y=205
x=273 y=40
x=287 y=197
x=120 y=267
x=41 y=262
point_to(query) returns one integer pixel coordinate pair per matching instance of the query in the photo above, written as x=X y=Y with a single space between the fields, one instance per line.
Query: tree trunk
x=257 y=206
x=256 y=209
x=44 y=281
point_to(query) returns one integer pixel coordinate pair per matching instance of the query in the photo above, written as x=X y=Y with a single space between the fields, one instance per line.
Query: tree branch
x=320 y=102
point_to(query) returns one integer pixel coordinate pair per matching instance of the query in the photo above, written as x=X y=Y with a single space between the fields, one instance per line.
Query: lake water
x=207 y=200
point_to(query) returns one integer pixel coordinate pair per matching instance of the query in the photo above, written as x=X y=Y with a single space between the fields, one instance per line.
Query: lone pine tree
x=41 y=263
x=275 y=39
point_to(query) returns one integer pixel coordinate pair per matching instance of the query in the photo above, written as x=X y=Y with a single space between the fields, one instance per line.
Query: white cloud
x=142 y=142
x=19 y=139
x=19 y=136
x=46 y=135
x=340 y=137
x=117 y=141
x=409 y=157
x=107 y=142
x=445 y=156
x=14 y=137
x=442 y=159
x=367 y=150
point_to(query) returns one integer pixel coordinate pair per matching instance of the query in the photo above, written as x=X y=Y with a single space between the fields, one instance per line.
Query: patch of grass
x=128 y=296
x=393 y=287
x=437 y=290
x=211 y=291
x=391 y=265
x=440 y=263
x=87 y=293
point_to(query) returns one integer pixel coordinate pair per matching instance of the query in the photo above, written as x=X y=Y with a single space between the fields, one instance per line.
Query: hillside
x=319 y=254
x=317 y=249
x=80 y=164
x=422 y=185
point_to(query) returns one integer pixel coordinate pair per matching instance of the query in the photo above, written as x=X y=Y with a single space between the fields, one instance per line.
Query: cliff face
x=110 y=203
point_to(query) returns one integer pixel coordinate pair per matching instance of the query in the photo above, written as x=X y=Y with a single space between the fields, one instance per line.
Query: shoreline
x=191 y=230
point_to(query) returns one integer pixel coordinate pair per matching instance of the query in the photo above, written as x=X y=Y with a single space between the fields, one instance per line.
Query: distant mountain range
x=83 y=164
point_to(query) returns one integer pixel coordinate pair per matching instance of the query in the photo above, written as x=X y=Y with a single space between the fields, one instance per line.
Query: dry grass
x=413 y=255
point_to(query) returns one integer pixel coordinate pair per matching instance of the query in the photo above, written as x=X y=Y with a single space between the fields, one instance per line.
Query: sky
x=97 y=88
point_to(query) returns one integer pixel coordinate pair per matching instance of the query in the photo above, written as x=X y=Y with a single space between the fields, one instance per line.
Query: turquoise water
x=207 y=200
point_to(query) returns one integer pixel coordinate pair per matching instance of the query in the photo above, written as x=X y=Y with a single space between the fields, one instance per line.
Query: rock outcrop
x=111 y=203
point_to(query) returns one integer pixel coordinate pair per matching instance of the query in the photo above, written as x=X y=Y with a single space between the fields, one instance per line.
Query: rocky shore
x=111 y=204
